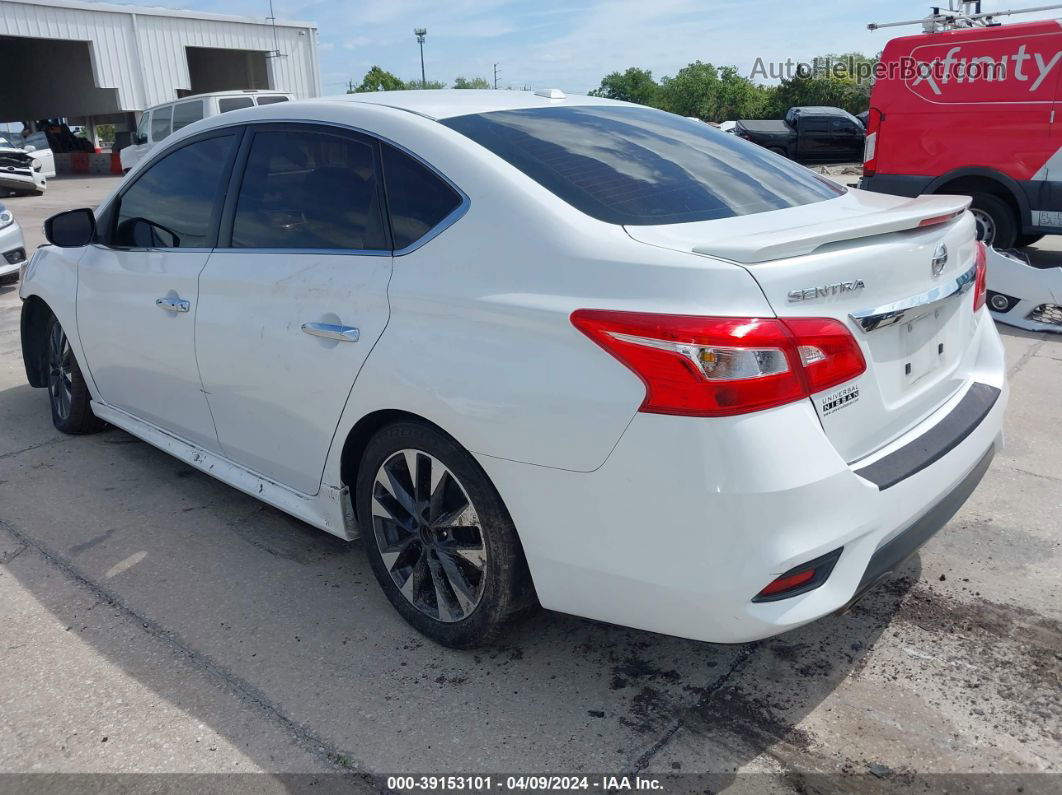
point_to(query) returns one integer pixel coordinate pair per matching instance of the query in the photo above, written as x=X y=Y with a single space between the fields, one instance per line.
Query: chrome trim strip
x=890 y=314
x=349 y=252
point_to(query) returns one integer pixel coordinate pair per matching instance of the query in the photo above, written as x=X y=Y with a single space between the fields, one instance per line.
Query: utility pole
x=420 y=33
x=495 y=77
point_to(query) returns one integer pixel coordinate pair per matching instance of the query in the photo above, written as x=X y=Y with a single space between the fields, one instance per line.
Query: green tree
x=475 y=82
x=692 y=91
x=738 y=97
x=842 y=81
x=634 y=85
x=415 y=84
x=377 y=79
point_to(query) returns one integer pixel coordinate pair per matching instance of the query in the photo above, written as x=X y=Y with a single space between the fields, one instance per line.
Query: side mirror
x=72 y=229
x=29 y=148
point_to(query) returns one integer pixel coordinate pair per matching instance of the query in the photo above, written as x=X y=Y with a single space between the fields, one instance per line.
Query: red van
x=973 y=111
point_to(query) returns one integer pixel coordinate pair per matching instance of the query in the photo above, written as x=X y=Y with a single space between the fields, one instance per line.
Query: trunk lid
x=868 y=262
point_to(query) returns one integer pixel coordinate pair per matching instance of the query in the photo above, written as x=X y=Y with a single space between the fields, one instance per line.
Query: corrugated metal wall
x=143 y=55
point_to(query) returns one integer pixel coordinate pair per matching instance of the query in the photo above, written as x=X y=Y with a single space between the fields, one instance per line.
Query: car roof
x=447 y=103
x=245 y=92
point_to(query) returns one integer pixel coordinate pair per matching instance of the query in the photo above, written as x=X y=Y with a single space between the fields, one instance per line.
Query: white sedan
x=536 y=349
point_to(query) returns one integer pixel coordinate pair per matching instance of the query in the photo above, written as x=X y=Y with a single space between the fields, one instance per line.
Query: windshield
x=11 y=139
x=636 y=166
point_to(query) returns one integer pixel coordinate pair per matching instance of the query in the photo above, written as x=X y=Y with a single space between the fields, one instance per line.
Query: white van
x=158 y=122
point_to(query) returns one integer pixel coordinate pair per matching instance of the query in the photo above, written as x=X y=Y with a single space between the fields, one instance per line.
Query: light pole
x=420 y=33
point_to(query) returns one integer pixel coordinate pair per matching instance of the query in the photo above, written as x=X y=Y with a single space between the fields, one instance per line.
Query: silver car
x=12 y=247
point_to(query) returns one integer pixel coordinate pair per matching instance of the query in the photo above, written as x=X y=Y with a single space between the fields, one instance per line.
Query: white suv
x=537 y=348
x=159 y=122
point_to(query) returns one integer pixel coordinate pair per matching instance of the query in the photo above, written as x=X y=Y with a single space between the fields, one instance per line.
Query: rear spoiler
x=798 y=240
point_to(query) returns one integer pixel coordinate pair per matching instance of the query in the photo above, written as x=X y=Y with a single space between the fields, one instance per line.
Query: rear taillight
x=721 y=366
x=829 y=354
x=981 y=282
x=870 y=145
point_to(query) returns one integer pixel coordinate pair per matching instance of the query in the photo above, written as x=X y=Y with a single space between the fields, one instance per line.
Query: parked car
x=808 y=135
x=12 y=246
x=972 y=111
x=160 y=121
x=533 y=347
x=25 y=163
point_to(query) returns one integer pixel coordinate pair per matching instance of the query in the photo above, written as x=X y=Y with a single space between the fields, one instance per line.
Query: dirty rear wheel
x=438 y=537
x=67 y=392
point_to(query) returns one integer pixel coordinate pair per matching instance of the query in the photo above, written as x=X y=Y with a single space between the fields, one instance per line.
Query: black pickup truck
x=808 y=135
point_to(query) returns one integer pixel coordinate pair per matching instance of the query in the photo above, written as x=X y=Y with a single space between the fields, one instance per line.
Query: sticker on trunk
x=839 y=399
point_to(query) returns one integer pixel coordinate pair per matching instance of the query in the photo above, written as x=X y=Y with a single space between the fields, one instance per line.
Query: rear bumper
x=689 y=519
x=890 y=556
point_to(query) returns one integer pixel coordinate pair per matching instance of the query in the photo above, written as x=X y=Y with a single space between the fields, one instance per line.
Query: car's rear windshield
x=637 y=166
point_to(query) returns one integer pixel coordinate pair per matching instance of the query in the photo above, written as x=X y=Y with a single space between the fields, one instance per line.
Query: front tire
x=438 y=537
x=67 y=392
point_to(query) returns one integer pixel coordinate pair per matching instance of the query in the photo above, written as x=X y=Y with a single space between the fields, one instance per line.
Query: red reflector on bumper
x=800 y=579
x=783 y=584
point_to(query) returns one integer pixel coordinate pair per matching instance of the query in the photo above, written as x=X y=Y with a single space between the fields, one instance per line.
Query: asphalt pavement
x=157 y=621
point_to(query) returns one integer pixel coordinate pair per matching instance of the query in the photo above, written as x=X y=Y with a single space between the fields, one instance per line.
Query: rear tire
x=67 y=392
x=997 y=224
x=438 y=537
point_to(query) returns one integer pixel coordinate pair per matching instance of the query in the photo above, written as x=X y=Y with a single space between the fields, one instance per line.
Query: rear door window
x=184 y=113
x=304 y=189
x=225 y=104
x=271 y=100
x=417 y=198
x=642 y=166
x=161 y=120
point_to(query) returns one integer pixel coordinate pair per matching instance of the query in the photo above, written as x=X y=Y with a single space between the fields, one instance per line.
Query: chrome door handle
x=173 y=304
x=332 y=332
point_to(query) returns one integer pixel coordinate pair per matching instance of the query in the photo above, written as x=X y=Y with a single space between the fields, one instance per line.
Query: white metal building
x=98 y=62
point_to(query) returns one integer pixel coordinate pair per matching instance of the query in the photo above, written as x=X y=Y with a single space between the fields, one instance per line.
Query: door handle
x=173 y=304
x=330 y=331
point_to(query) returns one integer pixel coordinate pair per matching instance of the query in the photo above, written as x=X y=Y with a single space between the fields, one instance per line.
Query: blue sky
x=572 y=45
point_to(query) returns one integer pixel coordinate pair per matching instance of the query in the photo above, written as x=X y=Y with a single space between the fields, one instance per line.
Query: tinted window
x=845 y=127
x=271 y=100
x=643 y=166
x=187 y=112
x=145 y=123
x=160 y=123
x=305 y=189
x=225 y=104
x=172 y=204
x=416 y=197
x=813 y=125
